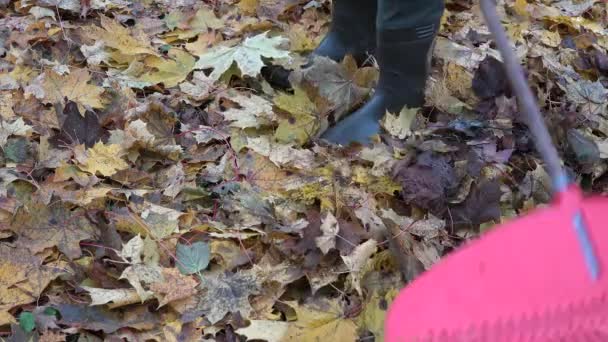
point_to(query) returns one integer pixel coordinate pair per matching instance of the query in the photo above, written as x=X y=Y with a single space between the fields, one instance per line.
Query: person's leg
x=406 y=30
x=353 y=30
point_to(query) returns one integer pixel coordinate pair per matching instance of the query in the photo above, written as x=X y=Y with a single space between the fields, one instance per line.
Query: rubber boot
x=352 y=31
x=404 y=56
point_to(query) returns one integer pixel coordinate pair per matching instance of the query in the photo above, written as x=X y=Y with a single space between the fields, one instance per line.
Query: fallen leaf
x=330 y=229
x=400 y=125
x=173 y=287
x=302 y=123
x=79 y=128
x=15 y=128
x=246 y=55
x=321 y=321
x=103 y=159
x=168 y=71
x=192 y=258
x=185 y=25
x=199 y=88
x=271 y=331
x=357 y=259
x=39 y=226
x=226 y=292
x=51 y=88
x=119 y=38
x=118 y=297
x=373 y=316
x=254 y=112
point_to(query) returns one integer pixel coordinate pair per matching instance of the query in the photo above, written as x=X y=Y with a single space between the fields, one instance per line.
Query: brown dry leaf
x=334 y=87
x=39 y=226
x=175 y=286
x=15 y=264
x=263 y=172
x=50 y=336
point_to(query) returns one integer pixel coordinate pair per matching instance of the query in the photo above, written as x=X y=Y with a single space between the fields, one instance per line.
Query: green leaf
x=51 y=311
x=192 y=258
x=26 y=321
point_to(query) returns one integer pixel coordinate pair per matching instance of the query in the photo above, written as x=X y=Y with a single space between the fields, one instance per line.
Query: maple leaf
x=17 y=128
x=254 y=111
x=335 y=87
x=169 y=71
x=51 y=87
x=302 y=123
x=186 y=26
x=54 y=225
x=282 y=155
x=119 y=38
x=247 y=56
x=199 y=88
x=23 y=277
x=400 y=125
x=175 y=286
x=226 y=292
x=105 y=159
x=592 y=97
x=322 y=320
x=140 y=274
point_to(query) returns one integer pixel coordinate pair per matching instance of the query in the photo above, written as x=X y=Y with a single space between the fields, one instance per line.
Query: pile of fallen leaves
x=161 y=176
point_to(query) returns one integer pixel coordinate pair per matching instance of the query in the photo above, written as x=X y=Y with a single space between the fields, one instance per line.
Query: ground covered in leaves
x=162 y=180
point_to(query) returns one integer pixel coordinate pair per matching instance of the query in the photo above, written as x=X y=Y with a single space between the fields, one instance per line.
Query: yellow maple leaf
x=105 y=159
x=115 y=36
x=521 y=8
x=248 y=7
x=189 y=26
x=53 y=88
x=169 y=71
x=300 y=39
x=302 y=123
x=323 y=321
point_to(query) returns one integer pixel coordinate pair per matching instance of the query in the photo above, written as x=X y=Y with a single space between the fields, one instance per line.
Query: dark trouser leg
x=353 y=30
x=406 y=31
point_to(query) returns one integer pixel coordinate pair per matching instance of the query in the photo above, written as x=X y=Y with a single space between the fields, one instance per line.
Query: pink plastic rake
x=536 y=278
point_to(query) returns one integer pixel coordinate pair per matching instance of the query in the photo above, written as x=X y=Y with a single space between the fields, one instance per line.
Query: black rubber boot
x=353 y=30
x=404 y=57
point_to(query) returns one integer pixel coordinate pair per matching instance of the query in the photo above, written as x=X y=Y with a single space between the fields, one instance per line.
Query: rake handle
x=539 y=130
x=526 y=99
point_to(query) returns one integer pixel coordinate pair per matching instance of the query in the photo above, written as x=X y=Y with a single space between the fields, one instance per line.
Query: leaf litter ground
x=162 y=178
